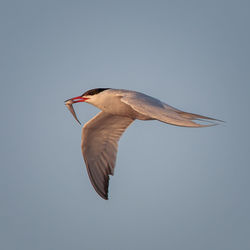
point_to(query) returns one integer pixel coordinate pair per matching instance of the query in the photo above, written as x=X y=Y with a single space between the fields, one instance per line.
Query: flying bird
x=119 y=108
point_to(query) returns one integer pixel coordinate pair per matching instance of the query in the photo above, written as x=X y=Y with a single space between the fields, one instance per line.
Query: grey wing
x=158 y=110
x=99 y=144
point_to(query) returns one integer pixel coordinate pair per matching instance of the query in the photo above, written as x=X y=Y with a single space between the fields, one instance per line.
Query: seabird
x=119 y=108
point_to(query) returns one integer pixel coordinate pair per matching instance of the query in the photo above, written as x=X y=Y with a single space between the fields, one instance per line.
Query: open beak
x=76 y=99
x=69 y=103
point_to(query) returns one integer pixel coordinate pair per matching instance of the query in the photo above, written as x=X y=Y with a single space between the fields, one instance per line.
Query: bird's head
x=90 y=96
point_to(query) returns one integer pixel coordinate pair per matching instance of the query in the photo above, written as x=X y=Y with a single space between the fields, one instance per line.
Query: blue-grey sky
x=174 y=188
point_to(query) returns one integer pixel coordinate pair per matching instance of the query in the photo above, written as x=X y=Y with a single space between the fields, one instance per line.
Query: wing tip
x=106 y=198
x=102 y=194
x=212 y=122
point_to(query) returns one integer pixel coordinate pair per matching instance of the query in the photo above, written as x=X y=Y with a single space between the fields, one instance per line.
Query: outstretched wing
x=158 y=110
x=100 y=138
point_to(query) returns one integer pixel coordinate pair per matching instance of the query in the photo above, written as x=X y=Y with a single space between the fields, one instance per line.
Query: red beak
x=79 y=99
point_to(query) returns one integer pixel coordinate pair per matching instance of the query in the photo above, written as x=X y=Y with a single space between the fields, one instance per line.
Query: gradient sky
x=174 y=188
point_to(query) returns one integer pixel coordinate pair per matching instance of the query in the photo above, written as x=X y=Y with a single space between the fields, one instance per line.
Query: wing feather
x=99 y=144
x=155 y=109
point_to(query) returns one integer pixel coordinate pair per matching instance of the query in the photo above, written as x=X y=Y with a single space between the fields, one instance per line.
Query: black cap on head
x=94 y=91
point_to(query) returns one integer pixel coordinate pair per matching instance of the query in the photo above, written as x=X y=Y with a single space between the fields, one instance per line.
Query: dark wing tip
x=102 y=190
x=102 y=194
x=105 y=197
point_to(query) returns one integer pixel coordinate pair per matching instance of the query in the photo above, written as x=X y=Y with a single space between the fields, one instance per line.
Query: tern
x=119 y=108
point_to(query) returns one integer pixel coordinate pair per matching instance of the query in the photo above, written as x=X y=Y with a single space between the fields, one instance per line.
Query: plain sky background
x=174 y=188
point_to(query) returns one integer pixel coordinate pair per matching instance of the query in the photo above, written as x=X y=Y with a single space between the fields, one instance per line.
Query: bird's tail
x=185 y=119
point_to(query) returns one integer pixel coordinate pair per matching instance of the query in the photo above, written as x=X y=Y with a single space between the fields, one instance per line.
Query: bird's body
x=119 y=108
x=113 y=105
